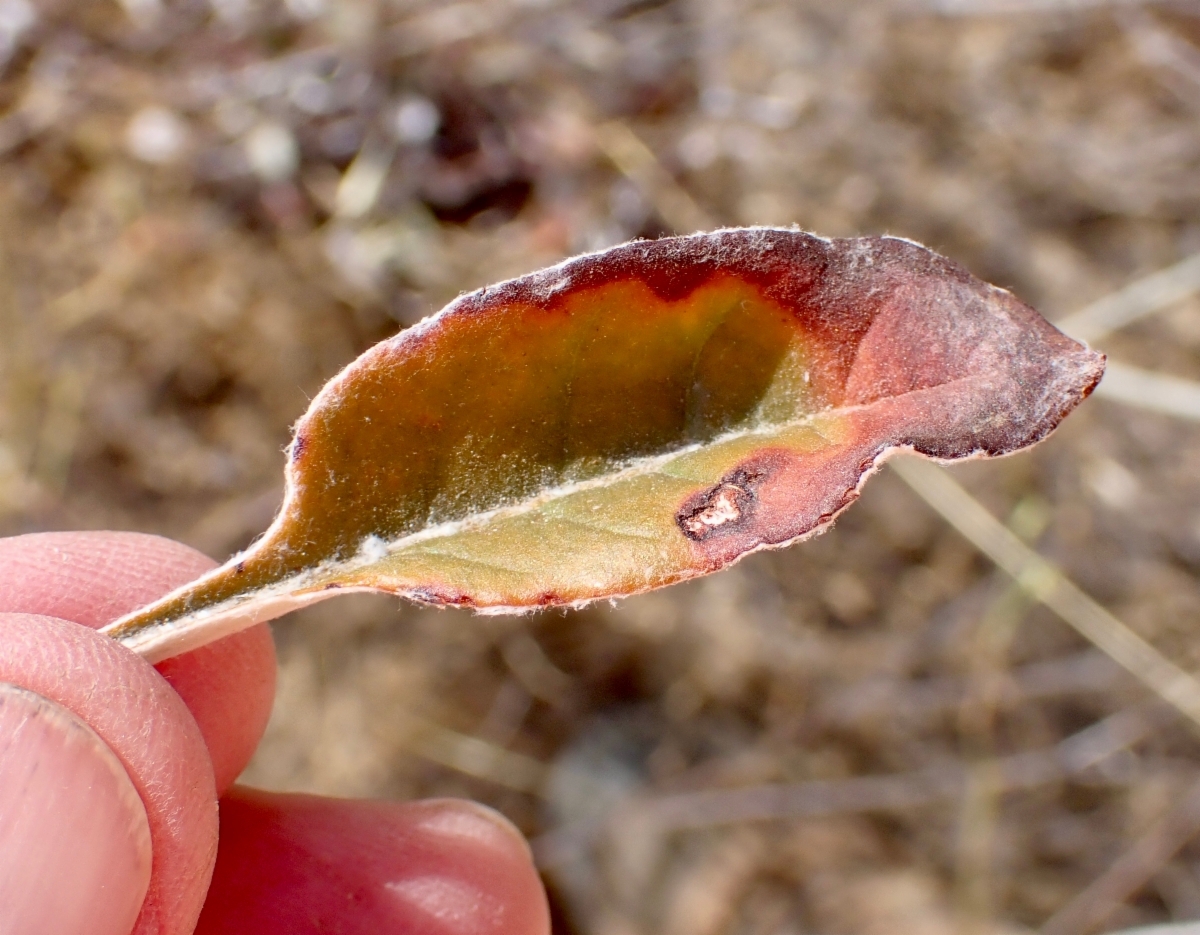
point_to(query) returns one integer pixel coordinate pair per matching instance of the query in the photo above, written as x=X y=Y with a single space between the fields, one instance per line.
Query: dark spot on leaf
x=298 y=445
x=722 y=508
x=239 y=568
x=442 y=598
x=333 y=585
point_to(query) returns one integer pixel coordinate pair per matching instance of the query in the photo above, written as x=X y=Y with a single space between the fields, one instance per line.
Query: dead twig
x=626 y=150
x=1140 y=298
x=476 y=757
x=994 y=7
x=1045 y=583
x=923 y=701
x=1136 y=387
x=979 y=810
x=1072 y=757
x=1176 y=60
x=1131 y=871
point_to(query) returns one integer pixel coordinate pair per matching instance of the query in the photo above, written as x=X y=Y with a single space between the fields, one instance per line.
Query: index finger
x=93 y=578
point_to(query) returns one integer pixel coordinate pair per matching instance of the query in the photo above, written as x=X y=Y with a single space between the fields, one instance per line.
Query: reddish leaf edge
x=158 y=640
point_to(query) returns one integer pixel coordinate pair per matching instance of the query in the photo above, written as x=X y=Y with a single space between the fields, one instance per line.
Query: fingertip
x=229 y=686
x=303 y=864
x=469 y=821
x=68 y=810
x=93 y=578
x=145 y=724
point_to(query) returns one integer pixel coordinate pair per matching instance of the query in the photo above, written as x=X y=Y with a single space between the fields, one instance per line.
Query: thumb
x=74 y=836
x=59 y=676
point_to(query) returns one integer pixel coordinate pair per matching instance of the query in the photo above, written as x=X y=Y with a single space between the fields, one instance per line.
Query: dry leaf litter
x=207 y=208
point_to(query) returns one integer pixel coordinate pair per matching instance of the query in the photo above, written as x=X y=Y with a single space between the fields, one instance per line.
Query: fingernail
x=470 y=821
x=74 y=838
x=499 y=822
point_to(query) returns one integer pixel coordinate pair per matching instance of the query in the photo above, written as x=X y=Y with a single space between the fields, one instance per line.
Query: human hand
x=110 y=773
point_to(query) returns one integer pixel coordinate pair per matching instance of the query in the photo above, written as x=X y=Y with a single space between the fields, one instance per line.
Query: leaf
x=630 y=419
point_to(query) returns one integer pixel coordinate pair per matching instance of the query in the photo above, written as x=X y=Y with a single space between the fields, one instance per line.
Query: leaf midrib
x=641 y=467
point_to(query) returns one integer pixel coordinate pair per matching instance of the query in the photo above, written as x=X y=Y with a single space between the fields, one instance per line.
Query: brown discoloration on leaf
x=722 y=508
x=640 y=416
x=792 y=496
x=723 y=504
x=440 y=597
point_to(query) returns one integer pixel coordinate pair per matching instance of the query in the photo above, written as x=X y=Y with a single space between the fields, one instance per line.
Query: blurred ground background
x=207 y=207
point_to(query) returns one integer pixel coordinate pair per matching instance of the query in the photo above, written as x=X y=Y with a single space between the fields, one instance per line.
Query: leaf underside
x=633 y=418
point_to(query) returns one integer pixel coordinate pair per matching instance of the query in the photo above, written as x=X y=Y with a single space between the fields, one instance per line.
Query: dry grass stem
x=1131 y=871
x=1140 y=298
x=1045 y=583
x=206 y=212
x=637 y=161
x=1076 y=756
x=1158 y=392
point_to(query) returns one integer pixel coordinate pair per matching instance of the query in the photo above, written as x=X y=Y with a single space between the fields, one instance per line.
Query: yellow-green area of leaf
x=630 y=419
